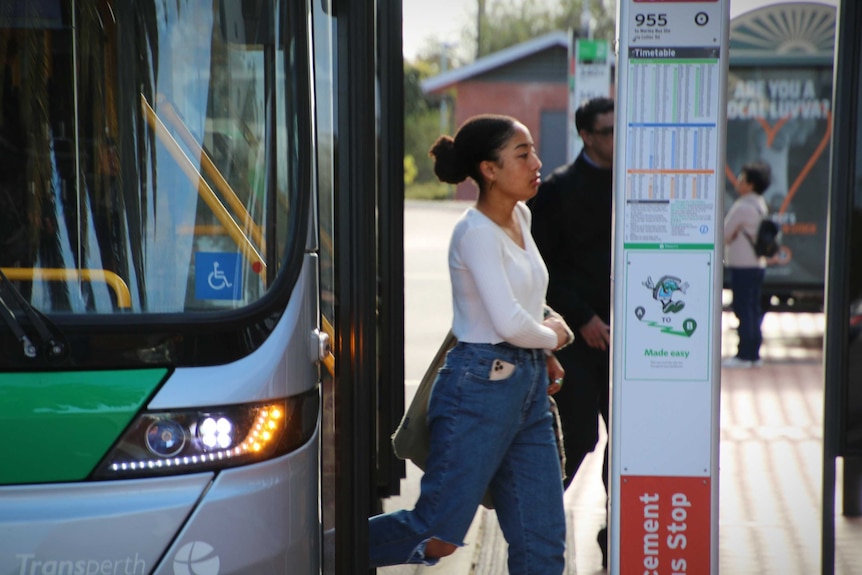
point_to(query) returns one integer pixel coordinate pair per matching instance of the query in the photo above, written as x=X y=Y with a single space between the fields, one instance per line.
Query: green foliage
x=415 y=102
x=510 y=22
x=420 y=132
x=421 y=121
x=428 y=191
x=432 y=56
x=410 y=170
x=505 y=23
x=604 y=17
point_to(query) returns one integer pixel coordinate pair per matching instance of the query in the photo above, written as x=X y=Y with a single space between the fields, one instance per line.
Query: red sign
x=665 y=529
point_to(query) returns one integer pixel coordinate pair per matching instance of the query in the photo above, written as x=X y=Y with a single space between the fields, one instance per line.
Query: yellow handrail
x=121 y=290
x=210 y=168
x=202 y=230
x=329 y=360
x=205 y=191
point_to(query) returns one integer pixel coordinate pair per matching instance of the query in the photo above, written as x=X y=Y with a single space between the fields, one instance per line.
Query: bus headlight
x=165 y=437
x=218 y=432
x=192 y=440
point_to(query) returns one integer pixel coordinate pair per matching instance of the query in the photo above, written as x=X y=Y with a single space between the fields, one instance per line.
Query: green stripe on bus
x=57 y=426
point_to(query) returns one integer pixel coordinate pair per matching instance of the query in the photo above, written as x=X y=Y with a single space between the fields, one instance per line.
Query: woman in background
x=745 y=267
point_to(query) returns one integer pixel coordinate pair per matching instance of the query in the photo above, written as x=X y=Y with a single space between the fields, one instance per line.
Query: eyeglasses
x=607 y=131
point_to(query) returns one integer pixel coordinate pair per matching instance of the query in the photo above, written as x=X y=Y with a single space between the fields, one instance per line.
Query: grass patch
x=428 y=191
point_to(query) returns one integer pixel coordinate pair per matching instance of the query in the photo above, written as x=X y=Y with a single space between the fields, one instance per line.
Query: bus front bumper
x=260 y=518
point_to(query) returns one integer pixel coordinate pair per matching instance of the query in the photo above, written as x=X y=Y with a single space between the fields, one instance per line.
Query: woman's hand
x=556 y=374
x=564 y=334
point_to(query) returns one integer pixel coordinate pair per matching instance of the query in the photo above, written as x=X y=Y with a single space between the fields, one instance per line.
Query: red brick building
x=527 y=81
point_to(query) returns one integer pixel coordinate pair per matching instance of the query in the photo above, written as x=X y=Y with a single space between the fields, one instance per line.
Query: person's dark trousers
x=747 y=284
x=583 y=397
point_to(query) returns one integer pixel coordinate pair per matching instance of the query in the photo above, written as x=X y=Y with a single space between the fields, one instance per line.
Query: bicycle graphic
x=217 y=280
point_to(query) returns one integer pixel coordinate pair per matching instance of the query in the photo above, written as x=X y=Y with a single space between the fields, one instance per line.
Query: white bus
x=170 y=249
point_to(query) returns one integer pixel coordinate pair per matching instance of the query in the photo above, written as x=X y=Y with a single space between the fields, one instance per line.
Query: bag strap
x=763 y=216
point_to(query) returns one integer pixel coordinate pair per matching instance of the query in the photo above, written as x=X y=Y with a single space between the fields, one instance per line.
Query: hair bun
x=448 y=167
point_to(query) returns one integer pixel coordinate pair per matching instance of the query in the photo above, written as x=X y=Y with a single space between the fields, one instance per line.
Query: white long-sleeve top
x=740 y=224
x=498 y=288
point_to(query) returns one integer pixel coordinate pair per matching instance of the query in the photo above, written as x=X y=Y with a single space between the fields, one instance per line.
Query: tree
x=499 y=24
x=421 y=119
x=504 y=23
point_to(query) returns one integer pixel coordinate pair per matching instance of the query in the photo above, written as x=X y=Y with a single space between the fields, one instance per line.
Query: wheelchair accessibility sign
x=218 y=275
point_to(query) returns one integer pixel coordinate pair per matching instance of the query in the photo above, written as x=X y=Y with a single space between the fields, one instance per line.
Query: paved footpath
x=770 y=473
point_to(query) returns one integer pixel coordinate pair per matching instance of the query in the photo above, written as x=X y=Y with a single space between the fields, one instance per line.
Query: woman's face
x=517 y=174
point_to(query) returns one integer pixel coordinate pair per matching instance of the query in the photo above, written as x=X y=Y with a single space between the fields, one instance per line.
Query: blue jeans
x=747 y=284
x=485 y=434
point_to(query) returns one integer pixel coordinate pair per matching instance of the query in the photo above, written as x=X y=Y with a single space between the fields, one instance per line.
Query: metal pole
x=845 y=82
x=444 y=100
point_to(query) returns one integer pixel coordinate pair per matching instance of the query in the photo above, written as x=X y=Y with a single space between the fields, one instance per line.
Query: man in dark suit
x=572 y=214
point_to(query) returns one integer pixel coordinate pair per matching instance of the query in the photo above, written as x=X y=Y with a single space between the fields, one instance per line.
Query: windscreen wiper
x=9 y=295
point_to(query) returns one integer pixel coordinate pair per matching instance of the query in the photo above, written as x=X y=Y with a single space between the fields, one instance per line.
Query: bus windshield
x=142 y=167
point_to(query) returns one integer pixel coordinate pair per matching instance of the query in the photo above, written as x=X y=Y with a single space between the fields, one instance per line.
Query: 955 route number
x=650 y=20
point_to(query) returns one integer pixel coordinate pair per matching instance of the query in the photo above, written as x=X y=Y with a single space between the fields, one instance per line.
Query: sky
x=434 y=20
x=428 y=21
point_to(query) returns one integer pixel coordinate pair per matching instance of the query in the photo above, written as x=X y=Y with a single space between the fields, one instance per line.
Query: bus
x=199 y=283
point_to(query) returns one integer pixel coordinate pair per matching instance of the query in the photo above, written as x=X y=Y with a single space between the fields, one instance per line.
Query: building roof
x=496 y=60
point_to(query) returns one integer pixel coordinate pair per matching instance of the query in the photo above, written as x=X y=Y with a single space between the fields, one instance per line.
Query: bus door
x=360 y=167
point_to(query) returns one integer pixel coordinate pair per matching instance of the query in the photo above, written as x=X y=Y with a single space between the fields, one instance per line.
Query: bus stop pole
x=670 y=141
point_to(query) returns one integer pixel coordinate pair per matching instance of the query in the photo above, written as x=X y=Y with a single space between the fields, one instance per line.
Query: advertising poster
x=782 y=115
